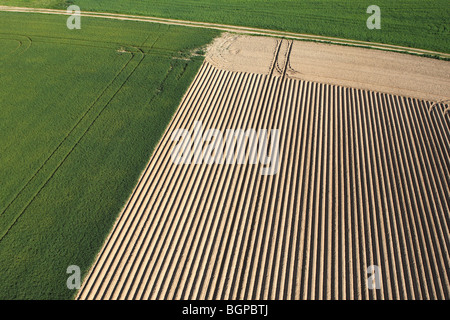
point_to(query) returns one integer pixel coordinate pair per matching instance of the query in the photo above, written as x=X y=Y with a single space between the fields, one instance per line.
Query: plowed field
x=363 y=180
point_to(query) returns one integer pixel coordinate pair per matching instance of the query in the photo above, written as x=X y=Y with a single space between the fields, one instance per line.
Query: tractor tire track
x=237 y=29
x=18 y=205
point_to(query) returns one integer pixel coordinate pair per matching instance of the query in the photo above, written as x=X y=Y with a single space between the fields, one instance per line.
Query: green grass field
x=80 y=113
x=415 y=23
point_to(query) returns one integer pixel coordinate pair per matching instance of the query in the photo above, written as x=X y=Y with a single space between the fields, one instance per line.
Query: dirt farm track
x=363 y=180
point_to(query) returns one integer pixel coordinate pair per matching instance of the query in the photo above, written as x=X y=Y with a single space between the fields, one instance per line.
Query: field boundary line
x=238 y=29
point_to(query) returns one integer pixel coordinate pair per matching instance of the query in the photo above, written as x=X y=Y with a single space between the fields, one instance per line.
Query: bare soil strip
x=389 y=72
x=231 y=28
x=363 y=180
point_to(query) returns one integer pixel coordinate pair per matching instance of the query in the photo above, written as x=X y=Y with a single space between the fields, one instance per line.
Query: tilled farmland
x=363 y=180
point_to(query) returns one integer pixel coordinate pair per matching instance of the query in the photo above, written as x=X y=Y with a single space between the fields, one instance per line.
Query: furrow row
x=361 y=193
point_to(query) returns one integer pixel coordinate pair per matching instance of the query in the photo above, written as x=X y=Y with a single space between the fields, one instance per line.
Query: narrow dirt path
x=231 y=28
x=360 y=68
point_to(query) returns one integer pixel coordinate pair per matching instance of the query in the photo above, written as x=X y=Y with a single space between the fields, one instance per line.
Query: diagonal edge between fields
x=241 y=29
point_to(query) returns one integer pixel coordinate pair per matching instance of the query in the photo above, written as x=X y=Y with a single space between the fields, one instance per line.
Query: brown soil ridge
x=232 y=28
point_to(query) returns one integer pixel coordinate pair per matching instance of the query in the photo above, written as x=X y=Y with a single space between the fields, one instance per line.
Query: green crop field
x=80 y=113
x=414 y=23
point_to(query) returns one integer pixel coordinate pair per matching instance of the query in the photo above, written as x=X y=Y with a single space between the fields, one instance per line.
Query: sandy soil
x=363 y=180
x=368 y=69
